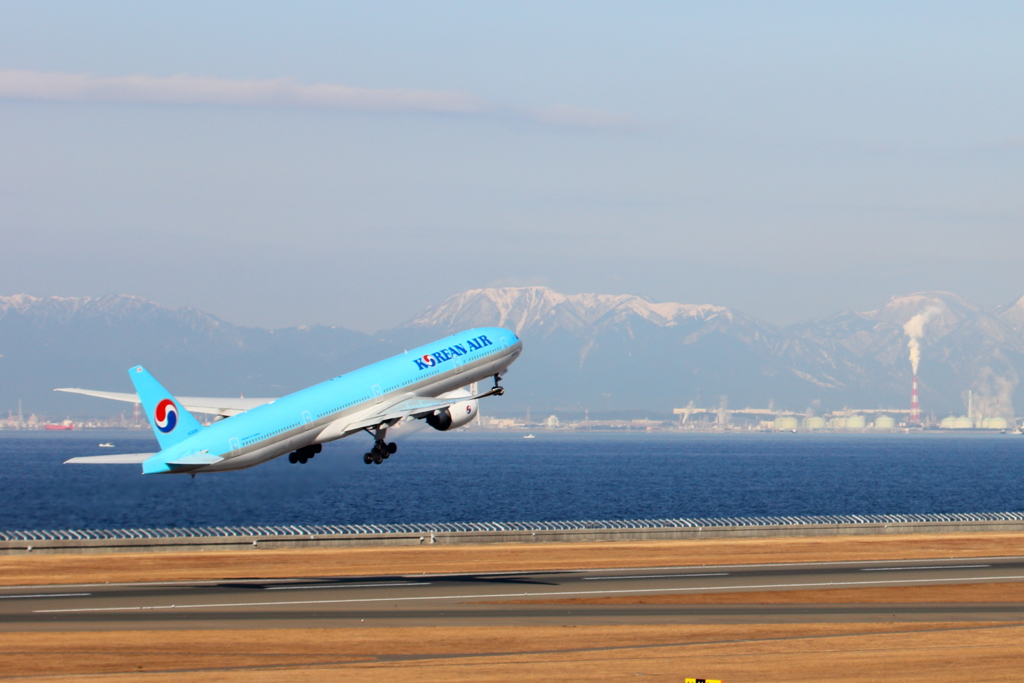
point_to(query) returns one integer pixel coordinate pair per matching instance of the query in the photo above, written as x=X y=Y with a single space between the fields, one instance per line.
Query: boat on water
x=106 y=445
x=529 y=436
x=60 y=427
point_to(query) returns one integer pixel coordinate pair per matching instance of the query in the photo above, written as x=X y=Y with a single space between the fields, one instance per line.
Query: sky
x=280 y=164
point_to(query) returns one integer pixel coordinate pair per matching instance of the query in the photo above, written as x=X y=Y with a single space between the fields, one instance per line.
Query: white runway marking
x=910 y=569
x=344 y=585
x=650 y=576
x=893 y=582
x=44 y=595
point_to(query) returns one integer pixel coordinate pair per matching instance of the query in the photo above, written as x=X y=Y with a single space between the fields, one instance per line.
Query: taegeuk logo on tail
x=166 y=415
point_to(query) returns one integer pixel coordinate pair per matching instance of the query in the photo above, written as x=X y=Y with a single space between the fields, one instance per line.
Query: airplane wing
x=417 y=406
x=120 y=459
x=225 y=407
x=196 y=459
x=409 y=405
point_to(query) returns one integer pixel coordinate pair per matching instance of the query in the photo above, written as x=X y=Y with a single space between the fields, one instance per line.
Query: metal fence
x=363 y=529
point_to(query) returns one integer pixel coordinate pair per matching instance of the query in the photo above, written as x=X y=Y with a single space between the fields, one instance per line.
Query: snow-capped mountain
x=49 y=342
x=606 y=350
x=1012 y=314
x=594 y=351
x=540 y=310
x=962 y=346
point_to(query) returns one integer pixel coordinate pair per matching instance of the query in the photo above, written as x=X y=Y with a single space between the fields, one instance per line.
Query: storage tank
x=884 y=422
x=837 y=423
x=786 y=424
x=948 y=422
x=994 y=423
x=856 y=422
x=963 y=422
x=814 y=423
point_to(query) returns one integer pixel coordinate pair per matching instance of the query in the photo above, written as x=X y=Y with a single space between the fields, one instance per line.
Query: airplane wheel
x=392 y=448
x=303 y=459
x=368 y=458
x=292 y=458
x=378 y=458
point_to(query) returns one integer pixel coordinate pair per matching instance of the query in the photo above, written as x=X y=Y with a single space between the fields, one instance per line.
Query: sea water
x=499 y=476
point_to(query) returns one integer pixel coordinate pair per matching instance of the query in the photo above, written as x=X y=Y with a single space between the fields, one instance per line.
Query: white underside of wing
x=416 y=405
x=120 y=459
x=221 y=406
x=194 y=404
x=409 y=405
x=196 y=459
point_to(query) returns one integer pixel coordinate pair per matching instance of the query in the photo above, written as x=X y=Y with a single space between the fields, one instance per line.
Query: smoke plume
x=723 y=411
x=993 y=395
x=915 y=330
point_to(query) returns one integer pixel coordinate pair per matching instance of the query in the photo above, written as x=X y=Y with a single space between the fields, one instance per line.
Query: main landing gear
x=304 y=454
x=382 y=450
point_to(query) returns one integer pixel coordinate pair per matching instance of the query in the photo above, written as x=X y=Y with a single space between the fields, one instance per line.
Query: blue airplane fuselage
x=332 y=409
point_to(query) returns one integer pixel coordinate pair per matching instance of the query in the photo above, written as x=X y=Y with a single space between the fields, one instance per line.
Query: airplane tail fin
x=171 y=423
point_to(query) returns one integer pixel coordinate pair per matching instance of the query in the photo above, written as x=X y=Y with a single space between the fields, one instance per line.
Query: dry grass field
x=734 y=653
x=32 y=569
x=756 y=652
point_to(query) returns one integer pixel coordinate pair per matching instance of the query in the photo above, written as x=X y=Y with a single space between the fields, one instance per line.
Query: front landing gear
x=381 y=450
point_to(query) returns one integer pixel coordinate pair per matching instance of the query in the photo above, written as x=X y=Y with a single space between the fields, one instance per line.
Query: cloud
x=278 y=92
x=566 y=115
x=139 y=89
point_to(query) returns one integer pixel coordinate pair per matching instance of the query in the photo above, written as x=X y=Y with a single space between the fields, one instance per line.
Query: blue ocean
x=495 y=476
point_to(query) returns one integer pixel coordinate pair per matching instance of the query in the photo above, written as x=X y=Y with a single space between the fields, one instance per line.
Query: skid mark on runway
x=492 y=596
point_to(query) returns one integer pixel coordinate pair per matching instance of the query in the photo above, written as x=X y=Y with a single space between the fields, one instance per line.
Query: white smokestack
x=915 y=330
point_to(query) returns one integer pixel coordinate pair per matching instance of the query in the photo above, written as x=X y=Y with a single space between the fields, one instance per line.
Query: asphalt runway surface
x=483 y=599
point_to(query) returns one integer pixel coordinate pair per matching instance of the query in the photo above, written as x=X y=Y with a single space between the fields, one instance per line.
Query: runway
x=586 y=597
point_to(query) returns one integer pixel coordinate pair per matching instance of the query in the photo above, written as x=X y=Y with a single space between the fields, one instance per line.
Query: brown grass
x=913 y=652
x=893 y=595
x=802 y=652
x=733 y=653
x=172 y=566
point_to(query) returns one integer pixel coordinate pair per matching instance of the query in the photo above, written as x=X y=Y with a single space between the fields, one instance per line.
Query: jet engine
x=455 y=415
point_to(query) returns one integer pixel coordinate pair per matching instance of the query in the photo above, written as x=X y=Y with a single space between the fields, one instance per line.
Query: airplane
x=422 y=384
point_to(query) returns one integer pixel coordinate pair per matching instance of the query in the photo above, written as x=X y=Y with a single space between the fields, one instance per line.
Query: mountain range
x=603 y=353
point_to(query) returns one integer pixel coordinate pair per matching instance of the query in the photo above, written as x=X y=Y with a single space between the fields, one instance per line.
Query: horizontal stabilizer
x=121 y=459
x=226 y=407
x=195 y=459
